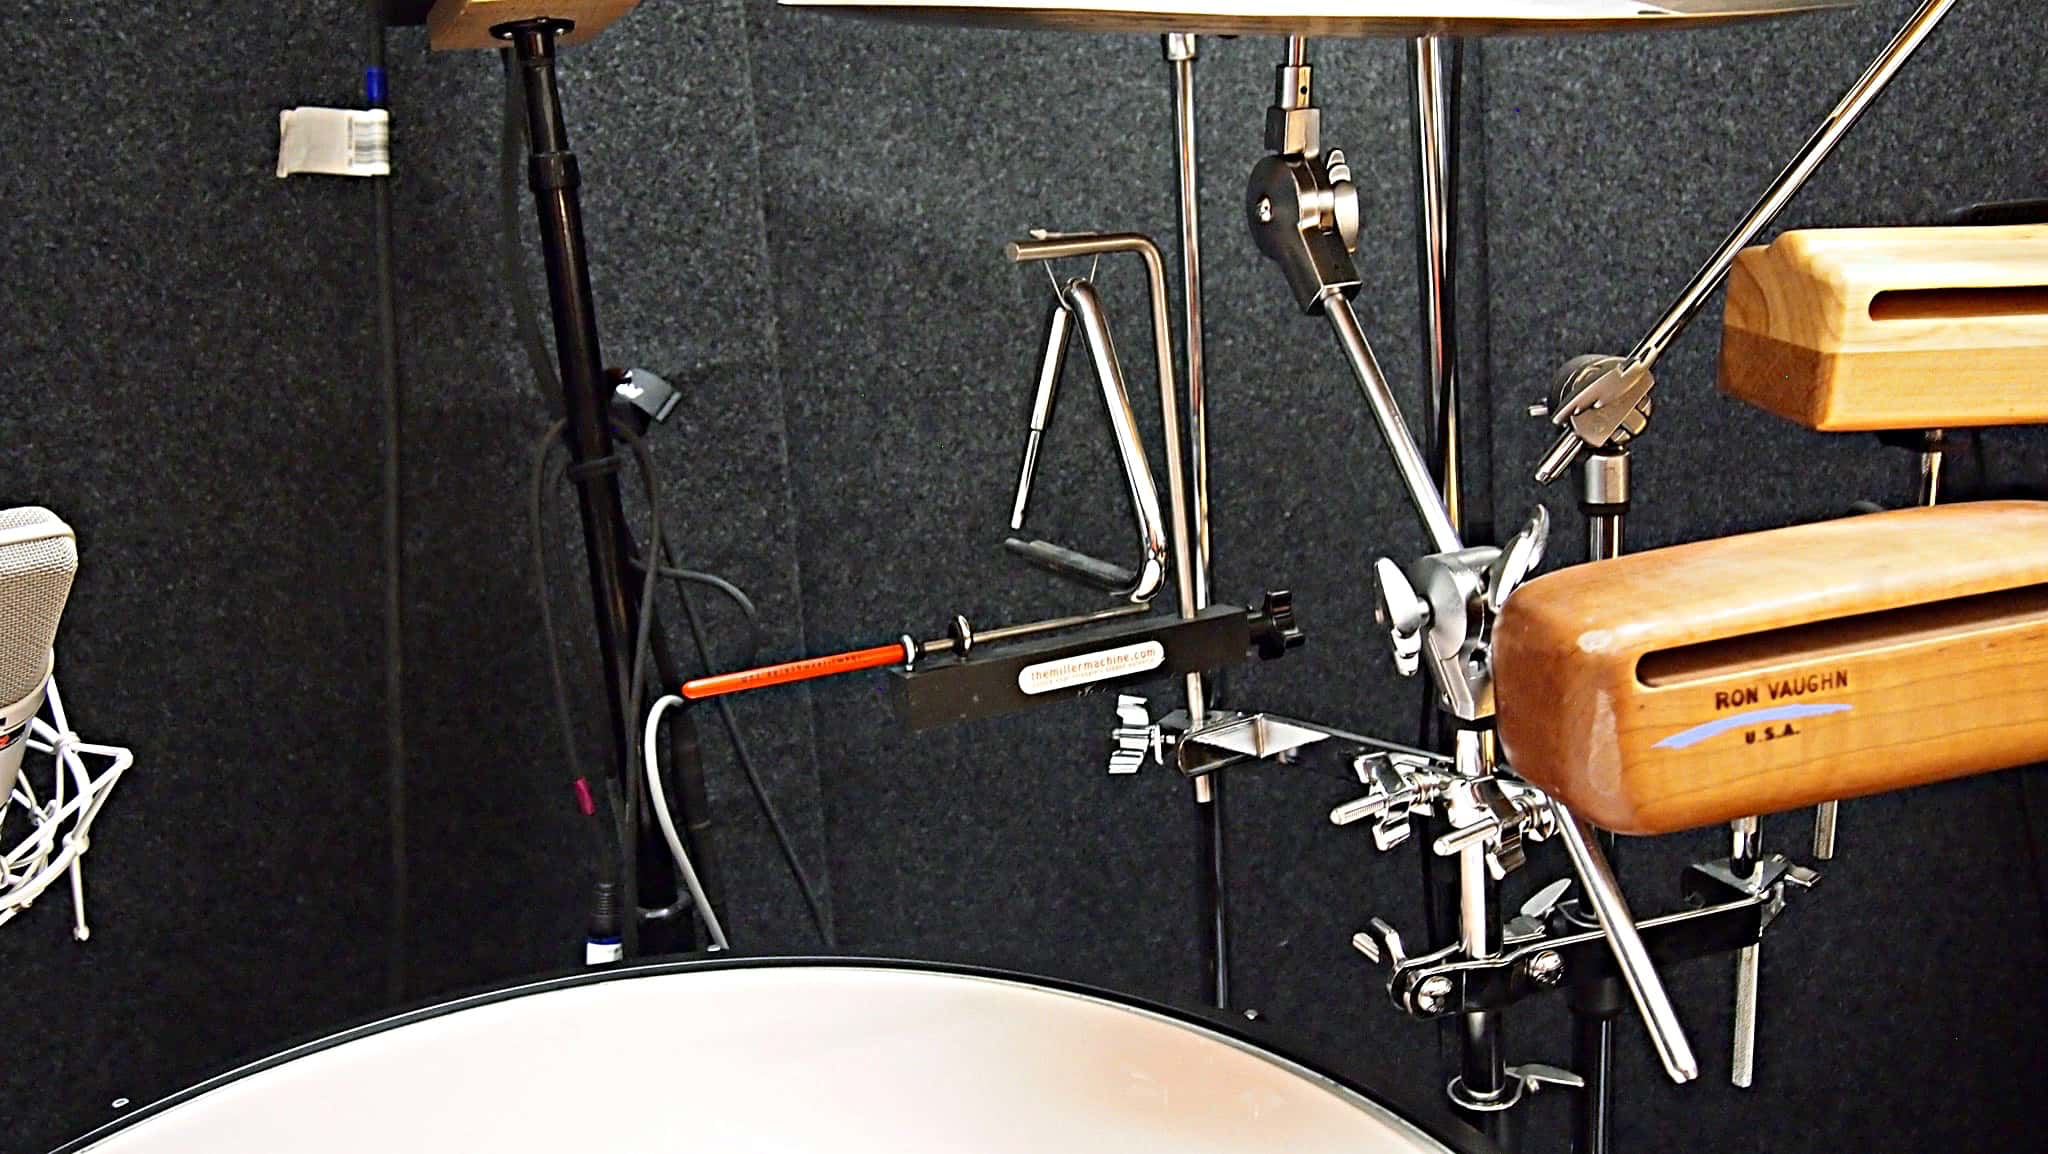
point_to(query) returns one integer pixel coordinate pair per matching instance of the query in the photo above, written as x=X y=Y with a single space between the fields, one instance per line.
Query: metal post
x=1745 y=857
x=1596 y=1002
x=1930 y=469
x=1211 y=829
x=1481 y=1093
x=1433 y=65
x=1827 y=815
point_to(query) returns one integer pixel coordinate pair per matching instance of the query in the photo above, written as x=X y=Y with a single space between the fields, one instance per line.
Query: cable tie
x=585 y=471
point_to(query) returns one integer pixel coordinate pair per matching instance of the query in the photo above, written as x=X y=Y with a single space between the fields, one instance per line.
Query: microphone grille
x=38 y=556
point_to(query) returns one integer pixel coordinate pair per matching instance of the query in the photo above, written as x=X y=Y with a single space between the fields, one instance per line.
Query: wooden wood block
x=468 y=23
x=1892 y=328
x=1763 y=672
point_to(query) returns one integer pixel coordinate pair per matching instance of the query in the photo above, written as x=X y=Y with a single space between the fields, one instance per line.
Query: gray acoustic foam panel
x=801 y=222
x=191 y=393
x=191 y=342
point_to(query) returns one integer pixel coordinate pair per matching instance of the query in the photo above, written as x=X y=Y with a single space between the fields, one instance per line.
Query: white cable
x=668 y=825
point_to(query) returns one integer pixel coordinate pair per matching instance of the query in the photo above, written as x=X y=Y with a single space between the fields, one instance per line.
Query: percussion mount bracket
x=1728 y=912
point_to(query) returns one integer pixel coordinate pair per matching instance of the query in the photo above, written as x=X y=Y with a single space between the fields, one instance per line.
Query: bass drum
x=845 y=1057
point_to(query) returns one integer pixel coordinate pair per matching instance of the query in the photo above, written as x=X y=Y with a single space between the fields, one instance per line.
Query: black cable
x=636 y=684
x=742 y=753
x=525 y=319
x=719 y=584
x=609 y=832
x=541 y=480
x=393 y=395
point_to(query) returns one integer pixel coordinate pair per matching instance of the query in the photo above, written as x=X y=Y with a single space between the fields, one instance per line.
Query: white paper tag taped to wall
x=334 y=141
x=1087 y=668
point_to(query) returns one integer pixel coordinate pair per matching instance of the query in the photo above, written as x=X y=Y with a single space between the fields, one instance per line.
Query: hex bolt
x=1432 y=994
x=1546 y=967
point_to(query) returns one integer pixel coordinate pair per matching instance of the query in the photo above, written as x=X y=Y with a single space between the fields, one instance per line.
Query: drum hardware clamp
x=1441 y=609
x=1228 y=739
x=1299 y=206
x=1727 y=911
x=1106 y=657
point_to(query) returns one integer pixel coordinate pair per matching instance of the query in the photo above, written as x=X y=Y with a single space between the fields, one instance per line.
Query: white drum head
x=802 y=1057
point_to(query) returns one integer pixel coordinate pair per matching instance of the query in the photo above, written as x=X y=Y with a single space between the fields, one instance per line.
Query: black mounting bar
x=978 y=683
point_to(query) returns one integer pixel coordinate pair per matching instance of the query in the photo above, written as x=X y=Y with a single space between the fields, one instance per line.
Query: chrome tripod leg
x=1630 y=955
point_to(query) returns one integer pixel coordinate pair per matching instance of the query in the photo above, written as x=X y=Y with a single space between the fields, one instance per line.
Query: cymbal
x=1348 y=18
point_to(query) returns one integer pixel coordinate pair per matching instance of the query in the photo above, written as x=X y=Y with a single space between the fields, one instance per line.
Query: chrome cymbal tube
x=1408 y=460
x=1436 y=205
x=1181 y=51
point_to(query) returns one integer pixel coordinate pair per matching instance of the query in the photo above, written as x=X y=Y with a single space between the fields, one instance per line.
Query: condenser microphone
x=38 y=557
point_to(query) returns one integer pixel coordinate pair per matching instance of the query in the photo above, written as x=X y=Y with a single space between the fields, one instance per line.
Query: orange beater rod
x=790 y=672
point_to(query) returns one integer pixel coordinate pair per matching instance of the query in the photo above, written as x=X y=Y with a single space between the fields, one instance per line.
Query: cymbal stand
x=1303 y=210
x=1181 y=51
x=1434 y=65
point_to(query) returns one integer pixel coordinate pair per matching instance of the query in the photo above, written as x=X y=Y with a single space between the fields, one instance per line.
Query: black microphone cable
x=393 y=400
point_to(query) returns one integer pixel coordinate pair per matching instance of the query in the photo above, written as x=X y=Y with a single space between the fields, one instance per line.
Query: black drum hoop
x=1436 y=1124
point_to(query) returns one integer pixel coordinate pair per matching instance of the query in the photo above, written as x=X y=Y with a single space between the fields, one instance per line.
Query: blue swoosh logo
x=1716 y=728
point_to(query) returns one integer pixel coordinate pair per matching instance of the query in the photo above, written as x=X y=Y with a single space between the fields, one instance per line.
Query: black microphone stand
x=608 y=542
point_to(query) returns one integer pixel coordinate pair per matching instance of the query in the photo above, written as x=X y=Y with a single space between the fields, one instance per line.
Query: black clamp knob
x=1274 y=630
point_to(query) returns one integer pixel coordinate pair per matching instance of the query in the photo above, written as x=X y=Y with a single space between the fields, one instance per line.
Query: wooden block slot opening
x=1821 y=640
x=1959 y=303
